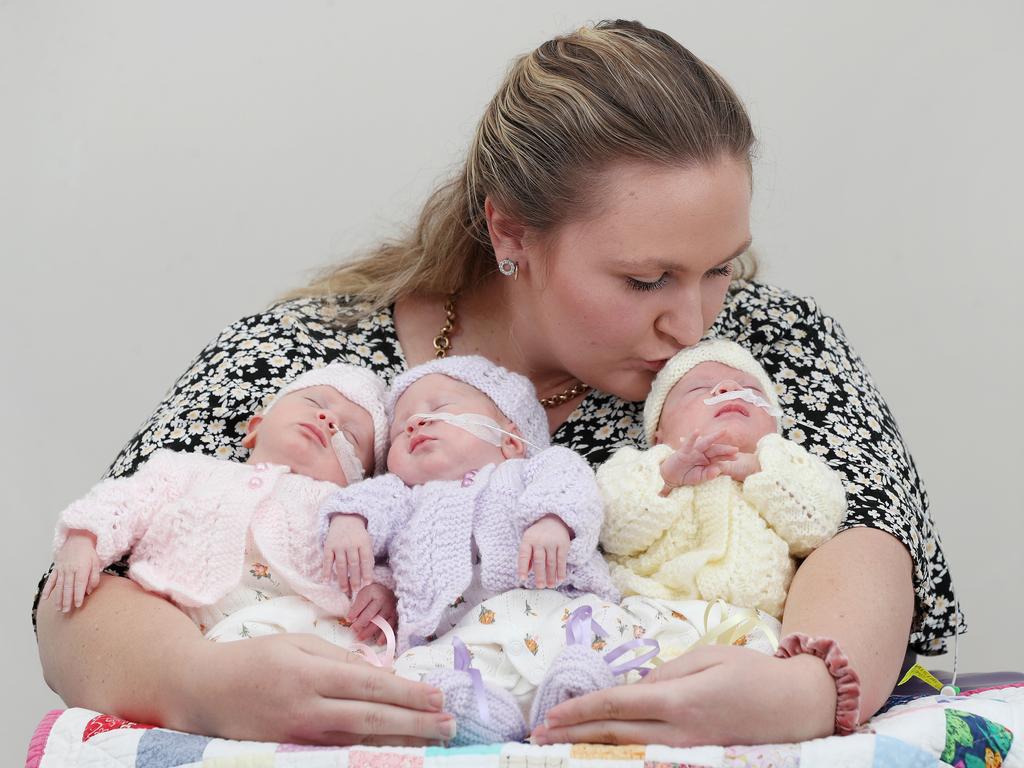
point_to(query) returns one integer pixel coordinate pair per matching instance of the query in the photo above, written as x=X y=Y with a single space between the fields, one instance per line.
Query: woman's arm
x=132 y=654
x=855 y=589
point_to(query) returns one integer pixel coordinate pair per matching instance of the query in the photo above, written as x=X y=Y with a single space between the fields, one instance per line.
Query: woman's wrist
x=832 y=680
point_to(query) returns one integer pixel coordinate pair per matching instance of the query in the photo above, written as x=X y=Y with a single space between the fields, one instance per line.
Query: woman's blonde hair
x=616 y=91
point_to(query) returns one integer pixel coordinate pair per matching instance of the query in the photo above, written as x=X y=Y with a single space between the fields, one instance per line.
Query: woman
x=596 y=228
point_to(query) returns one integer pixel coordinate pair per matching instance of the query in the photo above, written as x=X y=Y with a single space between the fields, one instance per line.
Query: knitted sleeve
x=636 y=515
x=559 y=482
x=115 y=511
x=384 y=501
x=796 y=494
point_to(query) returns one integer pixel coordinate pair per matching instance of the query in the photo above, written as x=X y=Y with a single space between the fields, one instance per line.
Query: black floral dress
x=830 y=403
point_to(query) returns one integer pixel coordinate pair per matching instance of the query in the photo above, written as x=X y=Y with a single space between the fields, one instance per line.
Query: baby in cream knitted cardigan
x=720 y=504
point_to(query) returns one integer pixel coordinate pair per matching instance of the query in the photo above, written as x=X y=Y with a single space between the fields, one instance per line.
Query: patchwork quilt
x=976 y=729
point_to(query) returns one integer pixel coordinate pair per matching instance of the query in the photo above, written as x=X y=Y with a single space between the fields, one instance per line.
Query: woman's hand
x=302 y=689
x=134 y=655
x=711 y=695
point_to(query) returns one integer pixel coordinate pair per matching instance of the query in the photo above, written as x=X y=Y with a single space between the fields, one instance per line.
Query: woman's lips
x=310 y=429
x=655 y=365
x=731 y=408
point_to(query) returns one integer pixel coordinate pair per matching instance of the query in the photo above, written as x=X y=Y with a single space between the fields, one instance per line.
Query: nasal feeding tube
x=351 y=466
x=482 y=427
x=747 y=395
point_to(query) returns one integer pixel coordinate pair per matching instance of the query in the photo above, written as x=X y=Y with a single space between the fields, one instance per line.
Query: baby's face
x=297 y=431
x=743 y=424
x=435 y=450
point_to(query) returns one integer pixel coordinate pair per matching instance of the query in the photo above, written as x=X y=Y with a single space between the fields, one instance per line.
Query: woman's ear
x=512 y=447
x=506 y=233
x=249 y=441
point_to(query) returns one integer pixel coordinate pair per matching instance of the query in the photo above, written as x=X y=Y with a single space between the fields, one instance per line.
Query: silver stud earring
x=509 y=268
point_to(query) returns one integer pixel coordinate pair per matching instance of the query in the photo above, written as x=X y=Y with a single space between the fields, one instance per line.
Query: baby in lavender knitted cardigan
x=476 y=503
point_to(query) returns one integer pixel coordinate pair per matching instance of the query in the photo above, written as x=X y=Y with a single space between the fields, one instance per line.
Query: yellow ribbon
x=736 y=622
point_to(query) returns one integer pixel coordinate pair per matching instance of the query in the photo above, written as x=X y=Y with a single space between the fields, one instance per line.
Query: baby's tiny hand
x=742 y=467
x=373 y=600
x=545 y=549
x=696 y=460
x=348 y=553
x=76 y=571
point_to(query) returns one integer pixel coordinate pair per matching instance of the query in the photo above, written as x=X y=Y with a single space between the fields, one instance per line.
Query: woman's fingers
x=608 y=732
x=357 y=722
x=623 y=702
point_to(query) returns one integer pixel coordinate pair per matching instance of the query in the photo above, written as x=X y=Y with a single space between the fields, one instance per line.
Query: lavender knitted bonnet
x=513 y=394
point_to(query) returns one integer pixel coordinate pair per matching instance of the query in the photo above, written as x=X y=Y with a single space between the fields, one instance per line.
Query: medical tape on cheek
x=747 y=395
x=482 y=427
x=351 y=466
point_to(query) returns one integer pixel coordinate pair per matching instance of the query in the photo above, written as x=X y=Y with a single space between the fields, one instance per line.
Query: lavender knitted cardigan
x=427 y=531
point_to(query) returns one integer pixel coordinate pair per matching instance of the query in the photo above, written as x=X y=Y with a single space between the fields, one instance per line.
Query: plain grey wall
x=167 y=167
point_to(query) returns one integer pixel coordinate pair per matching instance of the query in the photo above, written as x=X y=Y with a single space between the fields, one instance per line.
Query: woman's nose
x=327 y=421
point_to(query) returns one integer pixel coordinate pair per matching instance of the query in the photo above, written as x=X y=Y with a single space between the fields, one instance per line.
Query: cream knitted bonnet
x=512 y=393
x=355 y=383
x=713 y=350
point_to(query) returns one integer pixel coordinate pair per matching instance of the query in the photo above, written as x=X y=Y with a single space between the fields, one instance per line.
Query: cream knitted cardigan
x=185 y=519
x=720 y=539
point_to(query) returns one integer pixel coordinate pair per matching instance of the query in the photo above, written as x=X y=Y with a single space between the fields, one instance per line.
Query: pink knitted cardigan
x=185 y=519
x=427 y=531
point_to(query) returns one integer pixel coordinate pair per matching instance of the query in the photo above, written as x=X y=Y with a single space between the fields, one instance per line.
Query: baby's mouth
x=732 y=407
x=417 y=441
x=315 y=433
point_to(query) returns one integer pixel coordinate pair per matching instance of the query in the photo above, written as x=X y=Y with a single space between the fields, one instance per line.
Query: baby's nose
x=413 y=422
x=327 y=421
x=726 y=385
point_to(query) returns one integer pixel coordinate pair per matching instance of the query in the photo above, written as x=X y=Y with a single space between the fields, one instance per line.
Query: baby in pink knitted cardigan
x=217 y=536
x=476 y=503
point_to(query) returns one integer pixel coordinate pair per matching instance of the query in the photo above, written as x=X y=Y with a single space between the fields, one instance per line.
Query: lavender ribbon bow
x=581 y=625
x=463 y=663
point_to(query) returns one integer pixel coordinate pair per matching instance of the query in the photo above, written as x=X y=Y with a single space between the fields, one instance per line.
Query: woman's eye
x=723 y=271
x=644 y=285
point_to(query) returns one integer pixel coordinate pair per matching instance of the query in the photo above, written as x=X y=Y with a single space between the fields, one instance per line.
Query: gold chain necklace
x=443 y=345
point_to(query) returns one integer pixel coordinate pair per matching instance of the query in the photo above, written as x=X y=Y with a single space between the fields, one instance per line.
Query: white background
x=167 y=167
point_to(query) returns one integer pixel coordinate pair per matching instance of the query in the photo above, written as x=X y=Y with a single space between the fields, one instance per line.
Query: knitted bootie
x=576 y=670
x=495 y=719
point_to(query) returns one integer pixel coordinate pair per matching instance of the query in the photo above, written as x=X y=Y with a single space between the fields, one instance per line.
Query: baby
x=720 y=504
x=476 y=503
x=237 y=546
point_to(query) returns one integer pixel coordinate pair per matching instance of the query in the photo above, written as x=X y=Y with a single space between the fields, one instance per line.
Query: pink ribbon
x=463 y=663
x=389 y=651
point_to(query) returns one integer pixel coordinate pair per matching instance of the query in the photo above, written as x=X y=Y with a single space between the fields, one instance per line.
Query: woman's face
x=615 y=296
